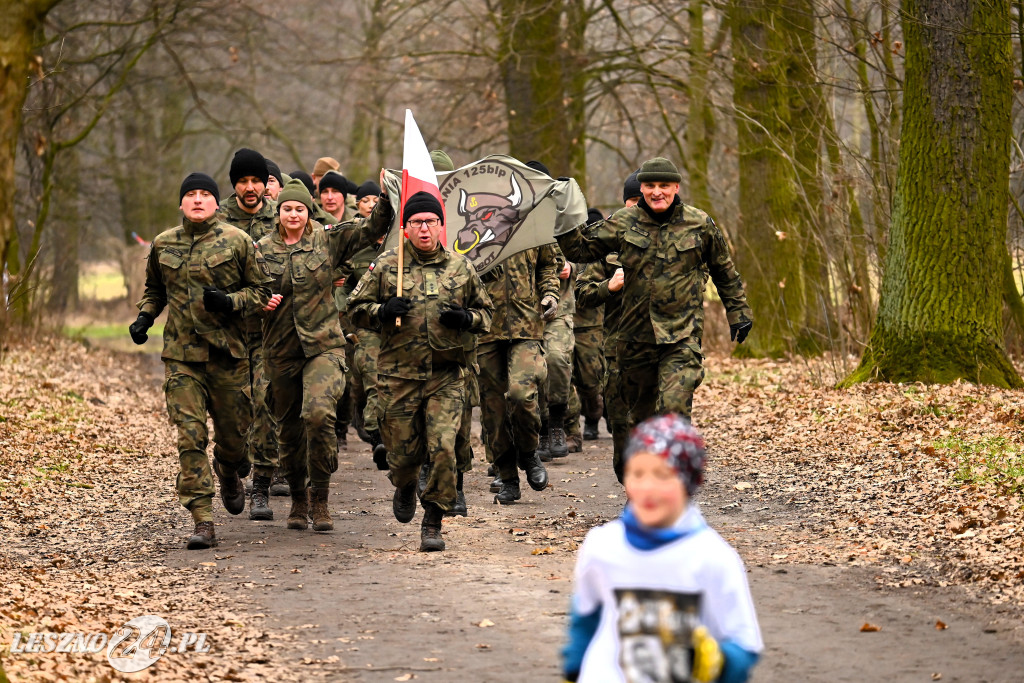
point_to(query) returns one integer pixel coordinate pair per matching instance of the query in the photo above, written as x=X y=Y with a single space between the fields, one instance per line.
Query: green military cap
x=295 y=191
x=658 y=169
x=442 y=162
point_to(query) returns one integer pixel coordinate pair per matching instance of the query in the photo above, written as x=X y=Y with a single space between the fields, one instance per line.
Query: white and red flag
x=417 y=169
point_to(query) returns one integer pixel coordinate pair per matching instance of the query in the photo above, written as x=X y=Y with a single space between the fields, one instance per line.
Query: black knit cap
x=274 y=170
x=631 y=188
x=366 y=189
x=199 y=181
x=248 y=162
x=422 y=202
x=306 y=179
x=593 y=216
x=338 y=182
x=537 y=166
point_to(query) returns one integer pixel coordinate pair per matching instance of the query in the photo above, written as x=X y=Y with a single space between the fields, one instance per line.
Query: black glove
x=395 y=307
x=739 y=331
x=138 y=328
x=456 y=317
x=216 y=301
x=550 y=305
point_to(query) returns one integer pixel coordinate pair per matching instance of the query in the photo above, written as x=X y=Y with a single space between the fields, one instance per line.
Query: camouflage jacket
x=422 y=343
x=592 y=294
x=184 y=259
x=663 y=294
x=584 y=317
x=306 y=322
x=516 y=287
x=257 y=225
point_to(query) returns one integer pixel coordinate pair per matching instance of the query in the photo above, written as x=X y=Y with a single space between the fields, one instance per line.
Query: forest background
x=785 y=117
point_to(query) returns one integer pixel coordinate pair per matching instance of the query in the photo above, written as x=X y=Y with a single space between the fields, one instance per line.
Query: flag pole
x=401 y=270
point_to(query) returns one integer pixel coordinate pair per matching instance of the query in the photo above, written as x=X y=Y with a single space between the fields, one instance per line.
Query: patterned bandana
x=673 y=438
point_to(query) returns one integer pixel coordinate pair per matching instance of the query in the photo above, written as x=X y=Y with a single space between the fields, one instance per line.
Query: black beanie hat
x=306 y=179
x=335 y=180
x=422 y=202
x=366 y=189
x=248 y=162
x=274 y=170
x=537 y=166
x=593 y=216
x=199 y=181
x=631 y=188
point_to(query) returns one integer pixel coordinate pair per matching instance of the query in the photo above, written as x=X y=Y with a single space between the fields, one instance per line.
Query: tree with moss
x=940 y=310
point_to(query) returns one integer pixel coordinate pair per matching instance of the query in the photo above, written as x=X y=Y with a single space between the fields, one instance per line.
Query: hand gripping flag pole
x=417 y=176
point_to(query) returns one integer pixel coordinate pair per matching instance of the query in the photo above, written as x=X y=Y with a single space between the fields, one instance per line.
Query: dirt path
x=92 y=536
x=365 y=596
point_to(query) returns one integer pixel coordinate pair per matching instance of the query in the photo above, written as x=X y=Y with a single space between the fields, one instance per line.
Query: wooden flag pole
x=401 y=268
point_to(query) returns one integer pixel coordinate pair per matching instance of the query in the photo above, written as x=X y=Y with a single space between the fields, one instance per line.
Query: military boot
x=430 y=529
x=203 y=537
x=232 y=493
x=320 y=512
x=496 y=483
x=404 y=503
x=544 y=443
x=492 y=470
x=298 y=516
x=259 y=503
x=459 y=509
x=421 y=483
x=590 y=430
x=380 y=452
x=556 y=434
x=278 y=484
x=509 y=492
x=536 y=475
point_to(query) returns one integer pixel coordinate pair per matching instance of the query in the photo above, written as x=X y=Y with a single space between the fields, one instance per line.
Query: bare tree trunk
x=940 y=313
x=19 y=22
x=531 y=68
x=769 y=249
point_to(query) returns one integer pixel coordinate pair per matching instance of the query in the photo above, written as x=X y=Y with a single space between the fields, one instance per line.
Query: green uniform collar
x=196 y=229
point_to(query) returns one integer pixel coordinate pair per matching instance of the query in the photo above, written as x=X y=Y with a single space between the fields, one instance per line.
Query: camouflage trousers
x=510 y=374
x=218 y=387
x=558 y=346
x=659 y=378
x=588 y=369
x=463 y=443
x=420 y=419
x=363 y=388
x=303 y=397
x=616 y=412
x=261 y=441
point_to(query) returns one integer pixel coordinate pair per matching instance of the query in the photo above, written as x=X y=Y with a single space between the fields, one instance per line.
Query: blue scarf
x=643 y=537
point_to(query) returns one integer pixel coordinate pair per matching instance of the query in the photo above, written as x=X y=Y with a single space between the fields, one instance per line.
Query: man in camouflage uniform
x=365 y=343
x=248 y=209
x=662 y=246
x=207 y=274
x=599 y=287
x=422 y=363
x=556 y=391
x=588 y=365
x=523 y=288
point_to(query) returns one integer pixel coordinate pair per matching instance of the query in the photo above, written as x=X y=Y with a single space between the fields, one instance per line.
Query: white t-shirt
x=652 y=599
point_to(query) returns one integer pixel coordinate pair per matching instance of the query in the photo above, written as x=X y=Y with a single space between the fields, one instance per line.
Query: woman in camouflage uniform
x=304 y=344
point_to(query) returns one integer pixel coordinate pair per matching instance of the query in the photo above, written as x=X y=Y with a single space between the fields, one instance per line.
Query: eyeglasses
x=416 y=224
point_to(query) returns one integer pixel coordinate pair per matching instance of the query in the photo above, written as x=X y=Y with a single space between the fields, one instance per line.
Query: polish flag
x=417 y=169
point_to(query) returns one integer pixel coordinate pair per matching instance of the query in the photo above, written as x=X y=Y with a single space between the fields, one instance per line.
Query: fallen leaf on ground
x=940 y=625
x=485 y=623
x=542 y=551
x=743 y=486
x=869 y=628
